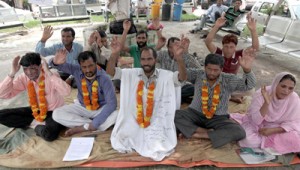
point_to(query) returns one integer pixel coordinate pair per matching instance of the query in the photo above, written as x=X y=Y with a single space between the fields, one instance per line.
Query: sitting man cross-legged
x=145 y=122
x=207 y=117
x=96 y=95
x=45 y=93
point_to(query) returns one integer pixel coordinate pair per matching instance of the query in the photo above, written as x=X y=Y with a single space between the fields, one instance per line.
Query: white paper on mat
x=80 y=148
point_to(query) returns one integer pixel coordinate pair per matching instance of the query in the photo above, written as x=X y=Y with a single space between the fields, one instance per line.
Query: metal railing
x=63 y=12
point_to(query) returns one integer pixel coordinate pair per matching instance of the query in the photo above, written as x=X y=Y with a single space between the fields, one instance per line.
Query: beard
x=148 y=68
x=89 y=75
x=142 y=44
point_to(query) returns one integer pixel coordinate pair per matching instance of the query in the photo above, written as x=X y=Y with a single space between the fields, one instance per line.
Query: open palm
x=60 y=57
x=115 y=45
x=248 y=58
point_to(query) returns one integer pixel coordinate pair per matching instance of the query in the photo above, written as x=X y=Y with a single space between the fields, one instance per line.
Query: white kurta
x=157 y=140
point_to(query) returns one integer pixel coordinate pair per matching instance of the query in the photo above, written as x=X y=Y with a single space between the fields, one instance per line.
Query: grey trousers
x=224 y=129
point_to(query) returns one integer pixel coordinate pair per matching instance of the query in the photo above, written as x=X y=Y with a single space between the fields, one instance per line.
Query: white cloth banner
x=41 y=2
x=120 y=9
x=157 y=140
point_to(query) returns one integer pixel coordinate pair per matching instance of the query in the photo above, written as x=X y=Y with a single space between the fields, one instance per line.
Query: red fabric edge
x=124 y=164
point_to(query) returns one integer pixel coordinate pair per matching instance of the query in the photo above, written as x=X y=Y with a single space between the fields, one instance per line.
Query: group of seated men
x=217 y=10
x=148 y=120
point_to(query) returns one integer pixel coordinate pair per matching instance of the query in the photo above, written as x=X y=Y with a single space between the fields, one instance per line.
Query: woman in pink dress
x=273 y=119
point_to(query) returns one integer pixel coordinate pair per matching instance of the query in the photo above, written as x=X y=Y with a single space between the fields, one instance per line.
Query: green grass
x=97 y=18
x=32 y=24
x=188 y=17
x=259 y=30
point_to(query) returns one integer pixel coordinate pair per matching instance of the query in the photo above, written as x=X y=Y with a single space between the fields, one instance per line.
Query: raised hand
x=15 y=66
x=178 y=49
x=126 y=25
x=161 y=42
x=60 y=57
x=47 y=33
x=92 y=38
x=98 y=39
x=185 y=43
x=155 y=23
x=220 y=22
x=45 y=66
x=115 y=45
x=251 y=24
x=265 y=94
x=248 y=58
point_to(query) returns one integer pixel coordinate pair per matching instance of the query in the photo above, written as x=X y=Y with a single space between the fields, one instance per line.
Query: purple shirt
x=106 y=91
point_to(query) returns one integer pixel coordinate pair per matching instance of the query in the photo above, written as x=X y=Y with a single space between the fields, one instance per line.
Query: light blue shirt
x=213 y=9
x=72 y=55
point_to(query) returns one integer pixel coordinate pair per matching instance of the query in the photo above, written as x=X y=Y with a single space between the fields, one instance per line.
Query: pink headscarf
x=286 y=111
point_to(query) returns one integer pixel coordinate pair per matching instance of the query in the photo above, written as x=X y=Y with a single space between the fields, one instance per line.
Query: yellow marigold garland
x=215 y=100
x=39 y=111
x=94 y=105
x=144 y=121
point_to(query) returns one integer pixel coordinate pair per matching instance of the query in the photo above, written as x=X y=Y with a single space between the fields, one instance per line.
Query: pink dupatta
x=285 y=112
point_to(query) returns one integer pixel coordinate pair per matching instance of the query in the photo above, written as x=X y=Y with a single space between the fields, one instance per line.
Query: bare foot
x=238 y=100
x=74 y=131
x=69 y=81
x=201 y=133
x=180 y=136
x=201 y=130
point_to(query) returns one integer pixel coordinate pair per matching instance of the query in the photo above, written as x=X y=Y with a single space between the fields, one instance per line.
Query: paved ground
x=267 y=64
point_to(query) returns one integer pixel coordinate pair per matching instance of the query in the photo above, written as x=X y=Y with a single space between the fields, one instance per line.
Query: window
x=283 y=10
x=296 y=10
x=92 y=2
x=266 y=8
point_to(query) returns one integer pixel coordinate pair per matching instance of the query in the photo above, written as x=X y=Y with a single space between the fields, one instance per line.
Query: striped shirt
x=164 y=61
x=231 y=15
x=228 y=84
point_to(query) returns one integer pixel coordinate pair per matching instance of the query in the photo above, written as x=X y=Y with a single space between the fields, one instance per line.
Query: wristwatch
x=86 y=126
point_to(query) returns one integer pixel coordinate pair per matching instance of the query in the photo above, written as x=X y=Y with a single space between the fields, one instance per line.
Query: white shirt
x=142 y=4
x=118 y=75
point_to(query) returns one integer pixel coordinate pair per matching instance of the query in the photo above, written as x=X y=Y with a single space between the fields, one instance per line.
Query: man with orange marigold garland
x=45 y=93
x=147 y=103
x=207 y=117
x=94 y=109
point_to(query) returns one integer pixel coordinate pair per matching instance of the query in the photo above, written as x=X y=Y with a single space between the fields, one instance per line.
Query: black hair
x=150 y=48
x=30 y=59
x=85 y=55
x=171 y=40
x=102 y=34
x=288 y=77
x=69 y=29
x=214 y=59
x=142 y=32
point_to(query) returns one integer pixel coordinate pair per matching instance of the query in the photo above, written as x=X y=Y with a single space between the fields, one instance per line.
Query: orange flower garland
x=94 y=105
x=39 y=111
x=144 y=121
x=215 y=100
